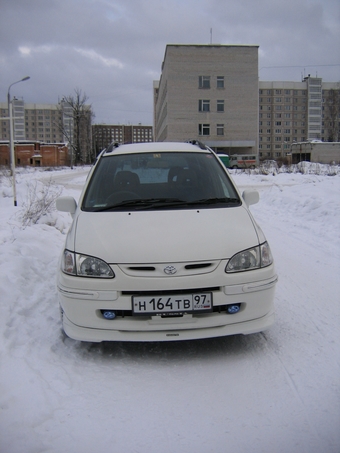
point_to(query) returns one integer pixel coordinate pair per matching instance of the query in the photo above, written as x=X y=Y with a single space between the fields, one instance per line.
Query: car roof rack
x=111 y=147
x=197 y=143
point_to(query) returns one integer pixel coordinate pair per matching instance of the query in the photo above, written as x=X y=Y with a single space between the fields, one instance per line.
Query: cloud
x=28 y=51
x=96 y=57
x=113 y=49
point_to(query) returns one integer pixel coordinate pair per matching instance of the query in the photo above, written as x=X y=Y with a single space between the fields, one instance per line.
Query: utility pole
x=11 y=137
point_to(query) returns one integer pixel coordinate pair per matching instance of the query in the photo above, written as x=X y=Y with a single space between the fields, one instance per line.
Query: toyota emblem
x=170 y=270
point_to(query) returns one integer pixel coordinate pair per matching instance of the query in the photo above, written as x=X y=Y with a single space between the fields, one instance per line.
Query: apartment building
x=291 y=112
x=209 y=93
x=104 y=134
x=50 y=123
x=36 y=122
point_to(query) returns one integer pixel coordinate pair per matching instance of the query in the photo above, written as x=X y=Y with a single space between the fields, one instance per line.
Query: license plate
x=178 y=303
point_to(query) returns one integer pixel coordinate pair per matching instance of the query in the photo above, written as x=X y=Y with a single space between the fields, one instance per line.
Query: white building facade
x=209 y=93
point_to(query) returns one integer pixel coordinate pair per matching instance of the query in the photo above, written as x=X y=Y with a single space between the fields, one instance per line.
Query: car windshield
x=164 y=180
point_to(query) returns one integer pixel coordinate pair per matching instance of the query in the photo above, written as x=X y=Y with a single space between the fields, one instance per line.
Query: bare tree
x=75 y=124
x=332 y=108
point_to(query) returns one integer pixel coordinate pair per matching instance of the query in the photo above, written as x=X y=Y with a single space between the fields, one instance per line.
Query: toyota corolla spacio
x=163 y=247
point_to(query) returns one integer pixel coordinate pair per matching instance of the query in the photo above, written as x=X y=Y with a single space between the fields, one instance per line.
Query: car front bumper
x=83 y=300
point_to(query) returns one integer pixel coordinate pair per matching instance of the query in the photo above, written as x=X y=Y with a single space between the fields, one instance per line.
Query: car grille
x=173 y=269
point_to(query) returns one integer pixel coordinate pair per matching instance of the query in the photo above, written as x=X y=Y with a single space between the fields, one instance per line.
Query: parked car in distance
x=242 y=161
x=163 y=247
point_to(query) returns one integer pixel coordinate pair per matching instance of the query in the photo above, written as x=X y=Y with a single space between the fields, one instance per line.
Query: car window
x=169 y=177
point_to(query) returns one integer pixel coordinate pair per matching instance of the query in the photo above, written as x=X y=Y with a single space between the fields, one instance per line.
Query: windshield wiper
x=224 y=200
x=139 y=203
x=158 y=203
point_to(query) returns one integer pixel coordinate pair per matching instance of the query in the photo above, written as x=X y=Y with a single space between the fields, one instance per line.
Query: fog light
x=108 y=314
x=233 y=308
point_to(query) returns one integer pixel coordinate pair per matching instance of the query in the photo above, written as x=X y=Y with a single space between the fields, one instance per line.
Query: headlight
x=85 y=266
x=250 y=259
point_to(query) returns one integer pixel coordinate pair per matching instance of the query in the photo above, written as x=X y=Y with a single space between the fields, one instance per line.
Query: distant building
x=291 y=112
x=48 y=123
x=35 y=154
x=38 y=122
x=315 y=151
x=104 y=134
x=209 y=93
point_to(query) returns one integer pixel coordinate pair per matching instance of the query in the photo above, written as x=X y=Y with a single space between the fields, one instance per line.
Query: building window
x=204 y=105
x=220 y=82
x=204 y=82
x=220 y=106
x=220 y=129
x=204 y=129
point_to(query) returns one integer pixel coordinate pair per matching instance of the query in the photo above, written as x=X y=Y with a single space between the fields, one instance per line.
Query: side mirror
x=66 y=204
x=250 y=196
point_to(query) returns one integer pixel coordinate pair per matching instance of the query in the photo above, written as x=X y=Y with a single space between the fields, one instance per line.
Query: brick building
x=49 y=124
x=35 y=154
x=104 y=134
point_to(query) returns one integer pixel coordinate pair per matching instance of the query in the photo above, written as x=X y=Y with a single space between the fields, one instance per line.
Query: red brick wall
x=35 y=154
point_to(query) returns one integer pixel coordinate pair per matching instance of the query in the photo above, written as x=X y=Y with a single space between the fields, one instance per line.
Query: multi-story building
x=209 y=93
x=49 y=123
x=104 y=134
x=291 y=112
x=37 y=122
x=212 y=93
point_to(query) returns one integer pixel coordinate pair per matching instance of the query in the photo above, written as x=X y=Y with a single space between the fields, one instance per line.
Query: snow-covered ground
x=275 y=392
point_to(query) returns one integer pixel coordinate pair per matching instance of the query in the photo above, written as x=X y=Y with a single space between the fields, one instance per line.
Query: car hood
x=163 y=236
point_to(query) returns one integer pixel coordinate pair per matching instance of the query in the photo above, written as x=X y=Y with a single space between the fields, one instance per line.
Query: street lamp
x=11 y=136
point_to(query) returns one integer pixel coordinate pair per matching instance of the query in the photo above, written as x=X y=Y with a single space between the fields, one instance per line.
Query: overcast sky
x=113 y=49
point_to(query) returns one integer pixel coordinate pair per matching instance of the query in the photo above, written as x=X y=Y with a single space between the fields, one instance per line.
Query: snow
x=273 y=392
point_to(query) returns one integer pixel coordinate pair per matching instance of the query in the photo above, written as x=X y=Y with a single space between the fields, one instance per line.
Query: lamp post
x=11 y=137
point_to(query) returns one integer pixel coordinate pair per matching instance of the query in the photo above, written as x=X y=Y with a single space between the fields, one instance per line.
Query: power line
x=300 y=66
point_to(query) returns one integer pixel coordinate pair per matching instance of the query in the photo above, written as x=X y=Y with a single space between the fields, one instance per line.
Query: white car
x=163 y=247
